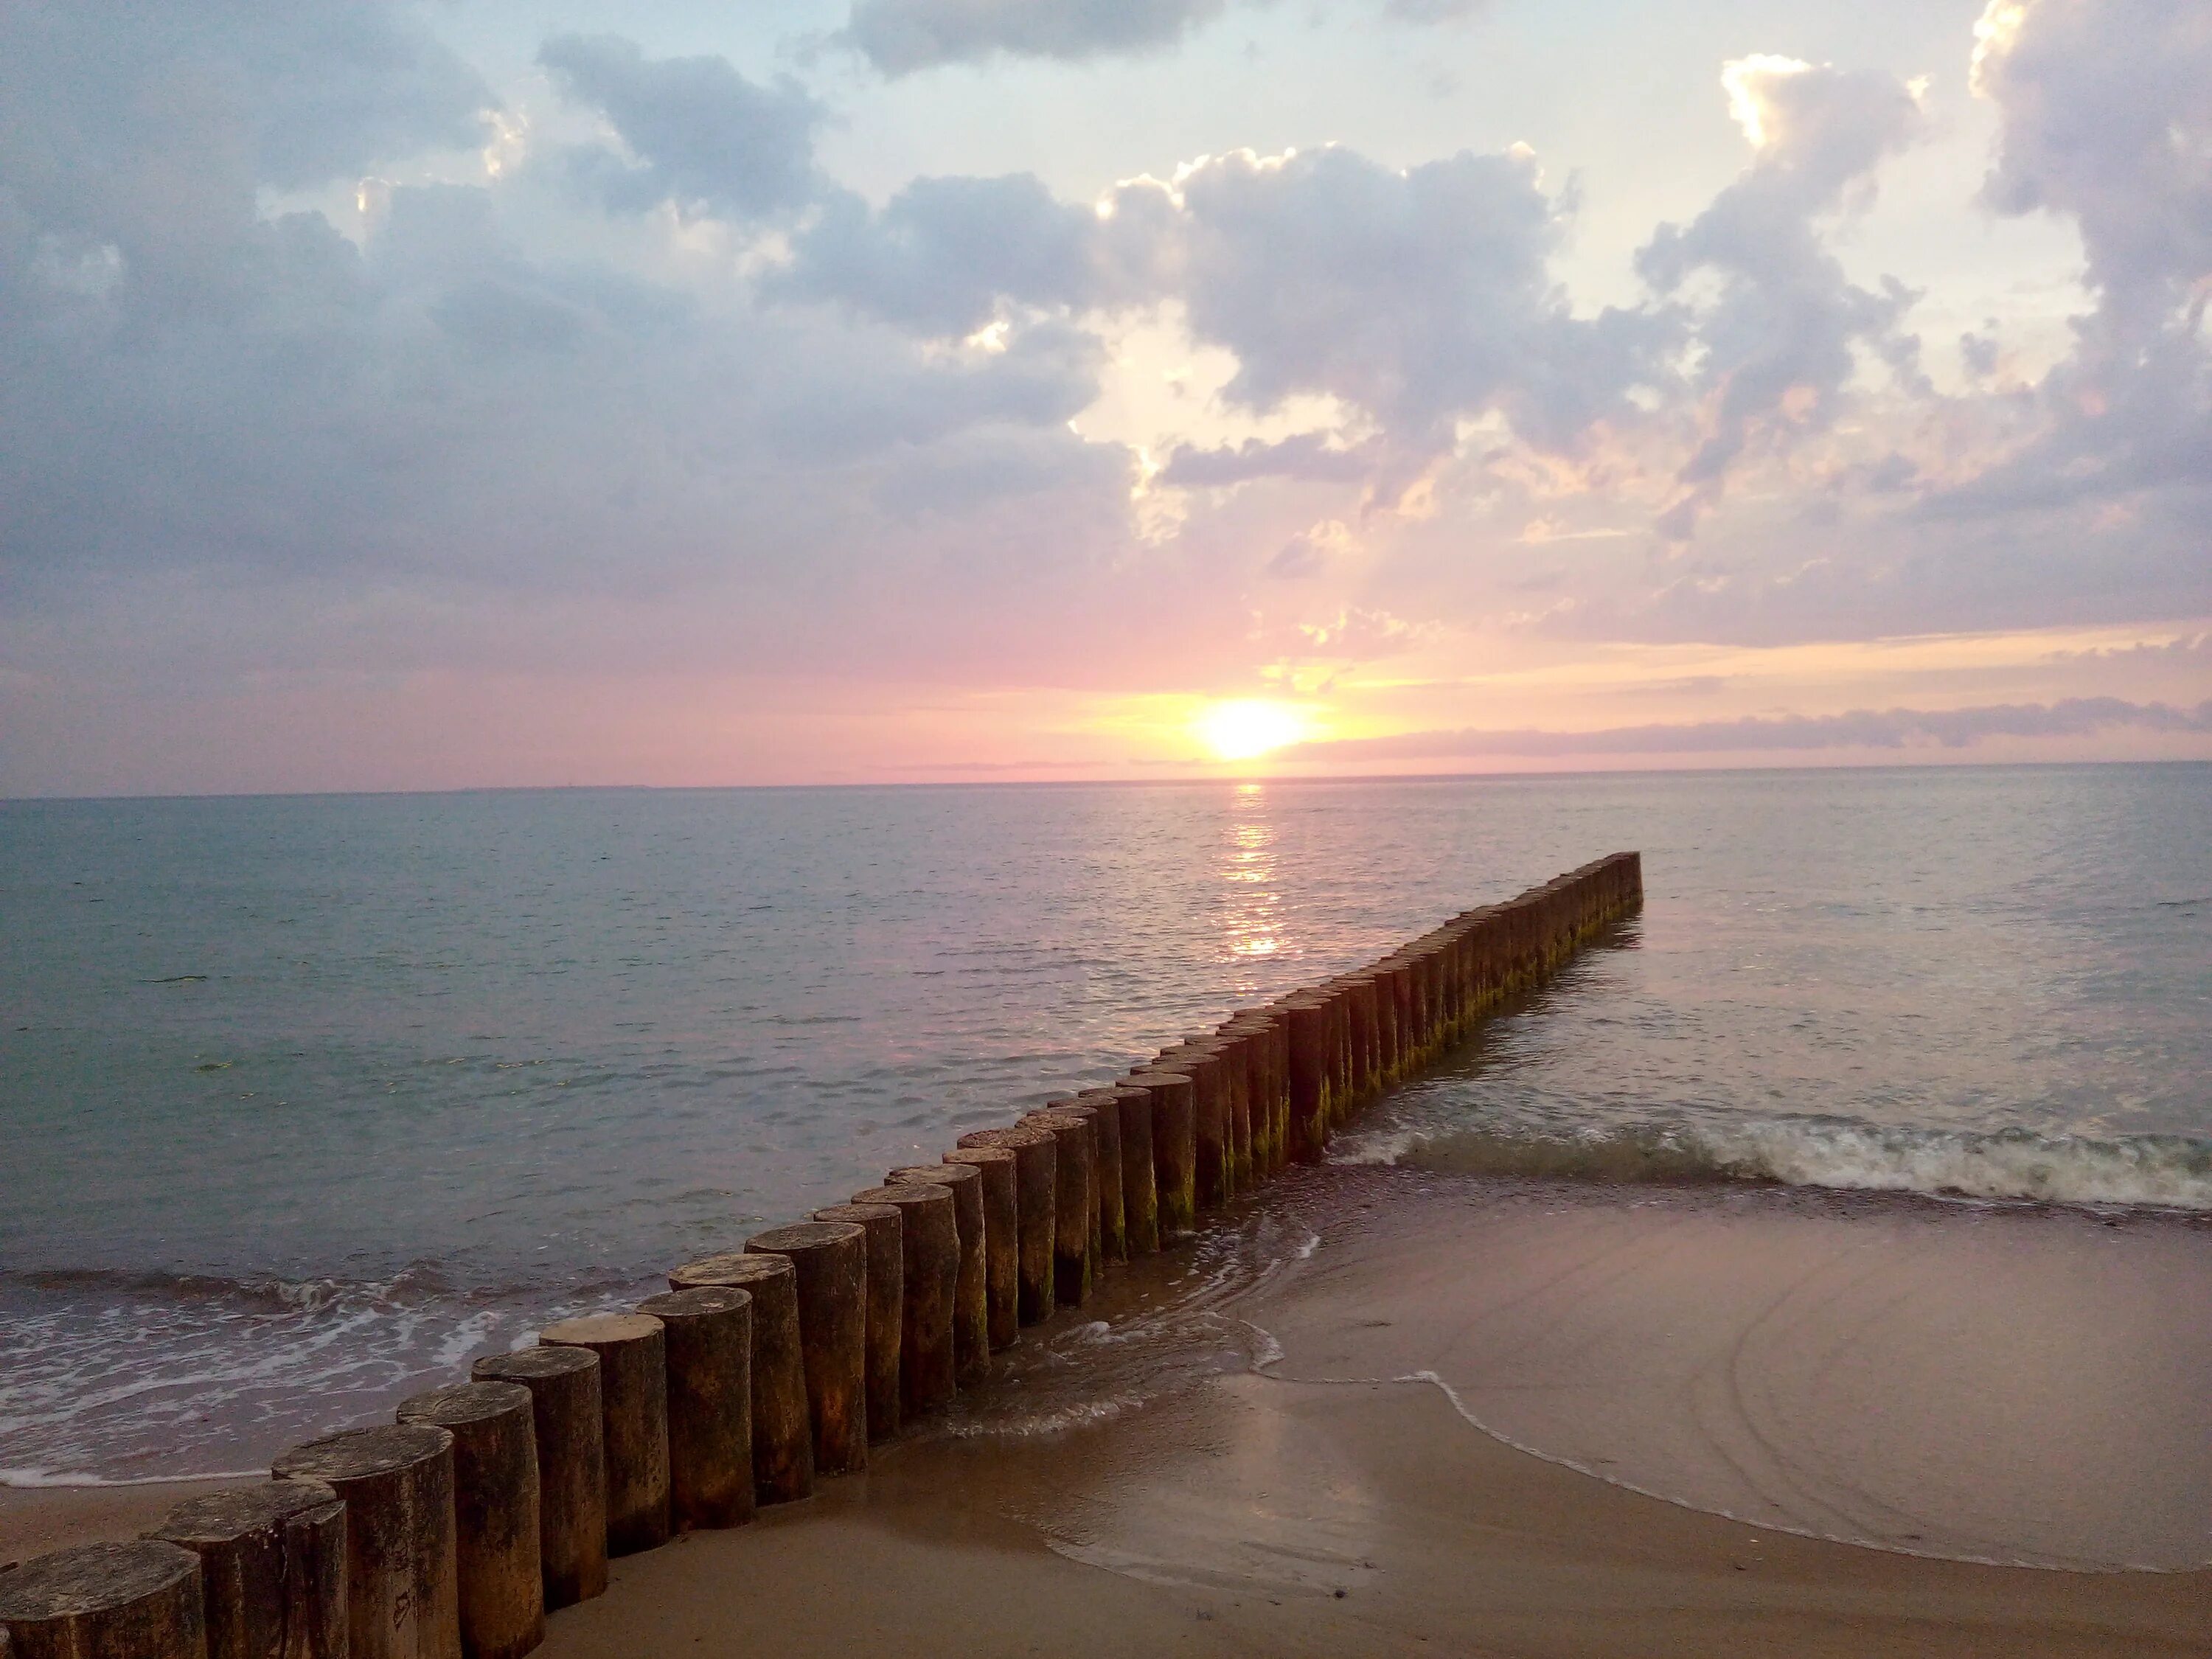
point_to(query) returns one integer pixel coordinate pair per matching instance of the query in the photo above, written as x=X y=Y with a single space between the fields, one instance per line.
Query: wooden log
x=572 y=1465
x=886 y=1307
x=783 y=1426
x=1250 y=1033
x=971 y=1308
x=1002 y=1268
x=1036 y=1180
x=1095 y=1222
x=1174 y=1151
x=830 y=1259
x=139 y=1600
x=402 y=1586
x=1233 y=1044
x=502 y=1592
x=1199 y=1061
x=929 y=1241
x=633 y=1351
x=709 y=1334
x=1311 y=1084
x=272 y=1568
x=1075 y=1171
x=1140 y=1204
x=1113 y=1203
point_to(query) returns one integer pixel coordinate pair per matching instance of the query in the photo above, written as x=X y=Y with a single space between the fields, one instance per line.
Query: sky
x=488 y=394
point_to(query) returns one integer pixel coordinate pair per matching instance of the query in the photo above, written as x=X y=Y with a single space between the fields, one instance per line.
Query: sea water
x=305 y=1100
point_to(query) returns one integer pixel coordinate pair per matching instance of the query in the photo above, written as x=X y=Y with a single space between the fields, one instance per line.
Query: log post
x=886 y=1308
x=929 y=1240
x=1175 y=1150
x=1140 y=1204
x=709 y=1332
x=1113 y=1202
x=1002 y=1265
x=403 y=1591
x=1037 y=1179
x=572 y=1465
x=1201 y=1062
x=971 y=1310
x=495 y=1512
x=272 y=1568
x=1075 y=1169
x=830 y=1259
x=1094 y=1220
x=1310 y=1082
x=105 y=1601
x=783 y=1428
x=633 y=1351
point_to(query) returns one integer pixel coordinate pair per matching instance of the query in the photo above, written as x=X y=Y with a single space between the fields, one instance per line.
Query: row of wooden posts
x=453 y=1531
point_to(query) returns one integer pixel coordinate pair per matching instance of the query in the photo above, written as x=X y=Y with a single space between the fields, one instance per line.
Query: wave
x=2172 y=1172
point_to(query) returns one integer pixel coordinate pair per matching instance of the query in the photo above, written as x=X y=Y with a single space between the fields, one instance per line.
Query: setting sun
x=1249 y=727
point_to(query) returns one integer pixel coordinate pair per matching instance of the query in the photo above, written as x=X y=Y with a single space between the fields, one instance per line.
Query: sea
x=305 y=1100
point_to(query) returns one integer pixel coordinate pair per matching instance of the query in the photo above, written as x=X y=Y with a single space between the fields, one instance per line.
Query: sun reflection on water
x=1252 y=908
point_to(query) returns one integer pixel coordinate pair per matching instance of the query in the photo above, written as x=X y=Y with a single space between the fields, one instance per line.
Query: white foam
x=2158 y=1171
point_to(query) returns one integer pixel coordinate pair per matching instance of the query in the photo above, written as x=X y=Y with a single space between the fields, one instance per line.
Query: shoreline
x=1224 y=1511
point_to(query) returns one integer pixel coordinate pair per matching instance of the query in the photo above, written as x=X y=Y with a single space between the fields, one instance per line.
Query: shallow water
x=339 y=1090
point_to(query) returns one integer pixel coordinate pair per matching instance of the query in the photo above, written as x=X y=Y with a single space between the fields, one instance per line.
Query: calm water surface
x=346 y=1088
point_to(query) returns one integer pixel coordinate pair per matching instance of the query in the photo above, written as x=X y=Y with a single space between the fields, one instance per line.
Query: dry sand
x=1229 y=1510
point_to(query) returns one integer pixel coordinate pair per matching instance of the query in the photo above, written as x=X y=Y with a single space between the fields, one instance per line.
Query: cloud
x=902 y=36
x=2104 y=120
x=1892 y=728
x=1777 y=345
x=1308 y=456
x=702 y=136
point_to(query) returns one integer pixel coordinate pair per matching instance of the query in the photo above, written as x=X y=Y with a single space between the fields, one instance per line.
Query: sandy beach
x=1201 y=1469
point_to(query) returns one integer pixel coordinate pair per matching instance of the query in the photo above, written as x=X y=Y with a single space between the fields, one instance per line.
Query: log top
x=702 y=1302
x=526 y=1365
x=600 y=1330
x=466 y=1402
x=737 y=1269
x=216 y=1517
x=916 y=1196
x=862 y=1213
x=802 y=1236
x=91 y=1578
x=359 y=1453
x=943 y=1174
x=1006 y=1138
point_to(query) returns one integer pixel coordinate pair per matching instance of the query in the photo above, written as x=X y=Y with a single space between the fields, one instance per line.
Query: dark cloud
x=901 y=36
x=1890 y=728
x=702 y=136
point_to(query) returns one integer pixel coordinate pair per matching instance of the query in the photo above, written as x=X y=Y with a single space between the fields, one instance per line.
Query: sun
x=1248 y=727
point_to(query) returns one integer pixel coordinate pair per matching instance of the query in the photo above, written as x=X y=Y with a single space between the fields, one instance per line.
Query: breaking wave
x=2171 y=1172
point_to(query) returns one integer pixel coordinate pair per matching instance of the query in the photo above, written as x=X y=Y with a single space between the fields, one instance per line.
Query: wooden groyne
x=489 y=1504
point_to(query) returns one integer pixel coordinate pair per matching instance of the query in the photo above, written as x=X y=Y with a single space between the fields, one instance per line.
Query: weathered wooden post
x=1076 y=1170
x=272 y=1568
x=1232 y=1043
x=105 y=1601
x=831 y=1261
x=1002 y=1245
x=1201 y=1061
x=1036 y=1180
x=403 y=1588
x=502 y=1592
x=783 y=1427
x=971 y=1305
x=633 y=1351
x=886 y=1307
x=1311 y=1084
x=1175 y=1150
x=929 y=1366
x=1140 y=1201
x=1095 y=1229
x=571 y=1466
x=1113 y=1204
x=709 y=1332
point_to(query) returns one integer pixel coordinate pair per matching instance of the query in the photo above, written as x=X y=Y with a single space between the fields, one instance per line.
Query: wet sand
x=1200 y=1475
